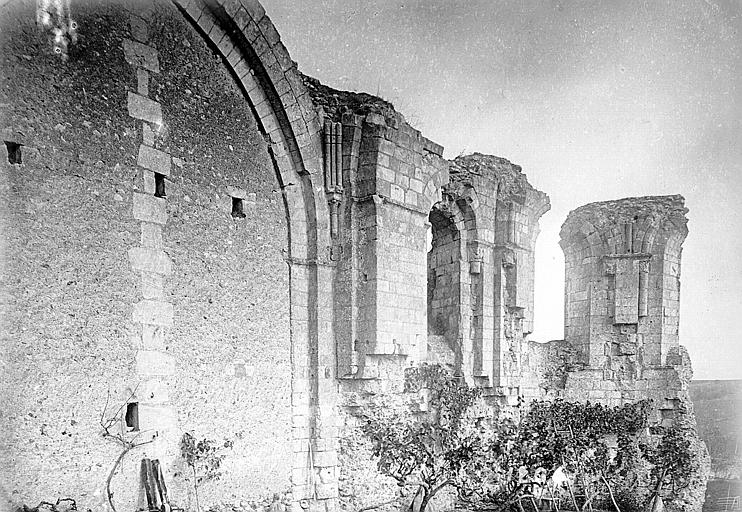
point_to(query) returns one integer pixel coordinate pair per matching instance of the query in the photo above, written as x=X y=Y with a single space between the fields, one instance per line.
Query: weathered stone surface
x=151 y=235
x=153 y=312
x=150 y=363
x=148 y=135
x=153 y=391
x=622 y=303
x=157 y=417
x=144 y=108
x=149 y=208
x=361 y=272
x=154 y=160
x=142 y=82
x=237 y=192
x=150 y=260
x=139 y=29
x=153 y=337
x=141 y=55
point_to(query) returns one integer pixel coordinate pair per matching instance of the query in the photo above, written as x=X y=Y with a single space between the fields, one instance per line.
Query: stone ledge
x=149 y=209
x=154 y=312
x=138 y=54
x=154 y=160
x=236 y=192
x=150 y=260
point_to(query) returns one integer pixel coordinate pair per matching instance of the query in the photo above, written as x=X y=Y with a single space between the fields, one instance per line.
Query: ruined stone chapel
x=196 y=237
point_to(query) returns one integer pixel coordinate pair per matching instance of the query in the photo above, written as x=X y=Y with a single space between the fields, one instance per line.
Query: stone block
x=299 y=475
x=242 y=18
x=153 y=286
x=138 y=54
x=151 y=235
x=153 y=391
x=326 y=490
x=144 y=108
x=142 y=82
x=150 y=363
x=397 y=193
x=216 y=34
x=153 y=337
x=138 y=28
x=231 y=6
x=154 y=160
x=327 y=475
x=147 y=182
x=206 y=21
x=236 y=192
x=161 y=418
x=326 y=459
x=300 y=421
x=254 y=8
x=154 y=312
x=149 y=209
x=150 y=260
x=148 y=135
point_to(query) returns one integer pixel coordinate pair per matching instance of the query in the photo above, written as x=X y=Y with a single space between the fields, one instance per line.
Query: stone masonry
x=249 y=256
x=153 y=314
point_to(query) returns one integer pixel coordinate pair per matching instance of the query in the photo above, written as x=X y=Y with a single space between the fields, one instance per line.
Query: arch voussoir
x=285 y=114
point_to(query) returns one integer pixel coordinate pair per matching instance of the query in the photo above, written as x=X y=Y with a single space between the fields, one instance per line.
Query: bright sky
x=595 y=100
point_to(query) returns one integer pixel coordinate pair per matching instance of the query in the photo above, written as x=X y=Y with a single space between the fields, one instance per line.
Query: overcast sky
x=595 y=100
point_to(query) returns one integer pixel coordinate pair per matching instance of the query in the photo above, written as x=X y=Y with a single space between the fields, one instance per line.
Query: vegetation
x=498 y=464
x=204 y=459
x=430 y=451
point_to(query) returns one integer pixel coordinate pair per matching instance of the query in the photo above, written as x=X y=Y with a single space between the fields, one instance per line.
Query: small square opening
x=238 y=208
x=132 y=416
x=14 y=152
x=159 y=185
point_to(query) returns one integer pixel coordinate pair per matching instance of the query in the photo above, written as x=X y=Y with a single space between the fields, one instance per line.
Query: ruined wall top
x=507 y=178
x=651 y=215
x=622 y=279
x=334 y=101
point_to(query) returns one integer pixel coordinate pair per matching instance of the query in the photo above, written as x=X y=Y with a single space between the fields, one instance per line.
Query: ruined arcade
x=199 y=238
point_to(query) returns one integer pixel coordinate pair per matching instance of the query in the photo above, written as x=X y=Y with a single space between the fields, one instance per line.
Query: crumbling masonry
x=198 y=234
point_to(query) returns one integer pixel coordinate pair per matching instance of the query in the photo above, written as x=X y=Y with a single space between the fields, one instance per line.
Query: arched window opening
x=443 y=288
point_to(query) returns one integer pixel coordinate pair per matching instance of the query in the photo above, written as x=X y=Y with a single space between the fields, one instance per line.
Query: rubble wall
x=70 y=285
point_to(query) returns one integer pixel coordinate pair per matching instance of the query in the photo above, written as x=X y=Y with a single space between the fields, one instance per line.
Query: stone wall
x=621 y=315
x=67 y=285
x=229 y=287
x=117 y=292
x=198 y=234
x=444 y=279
